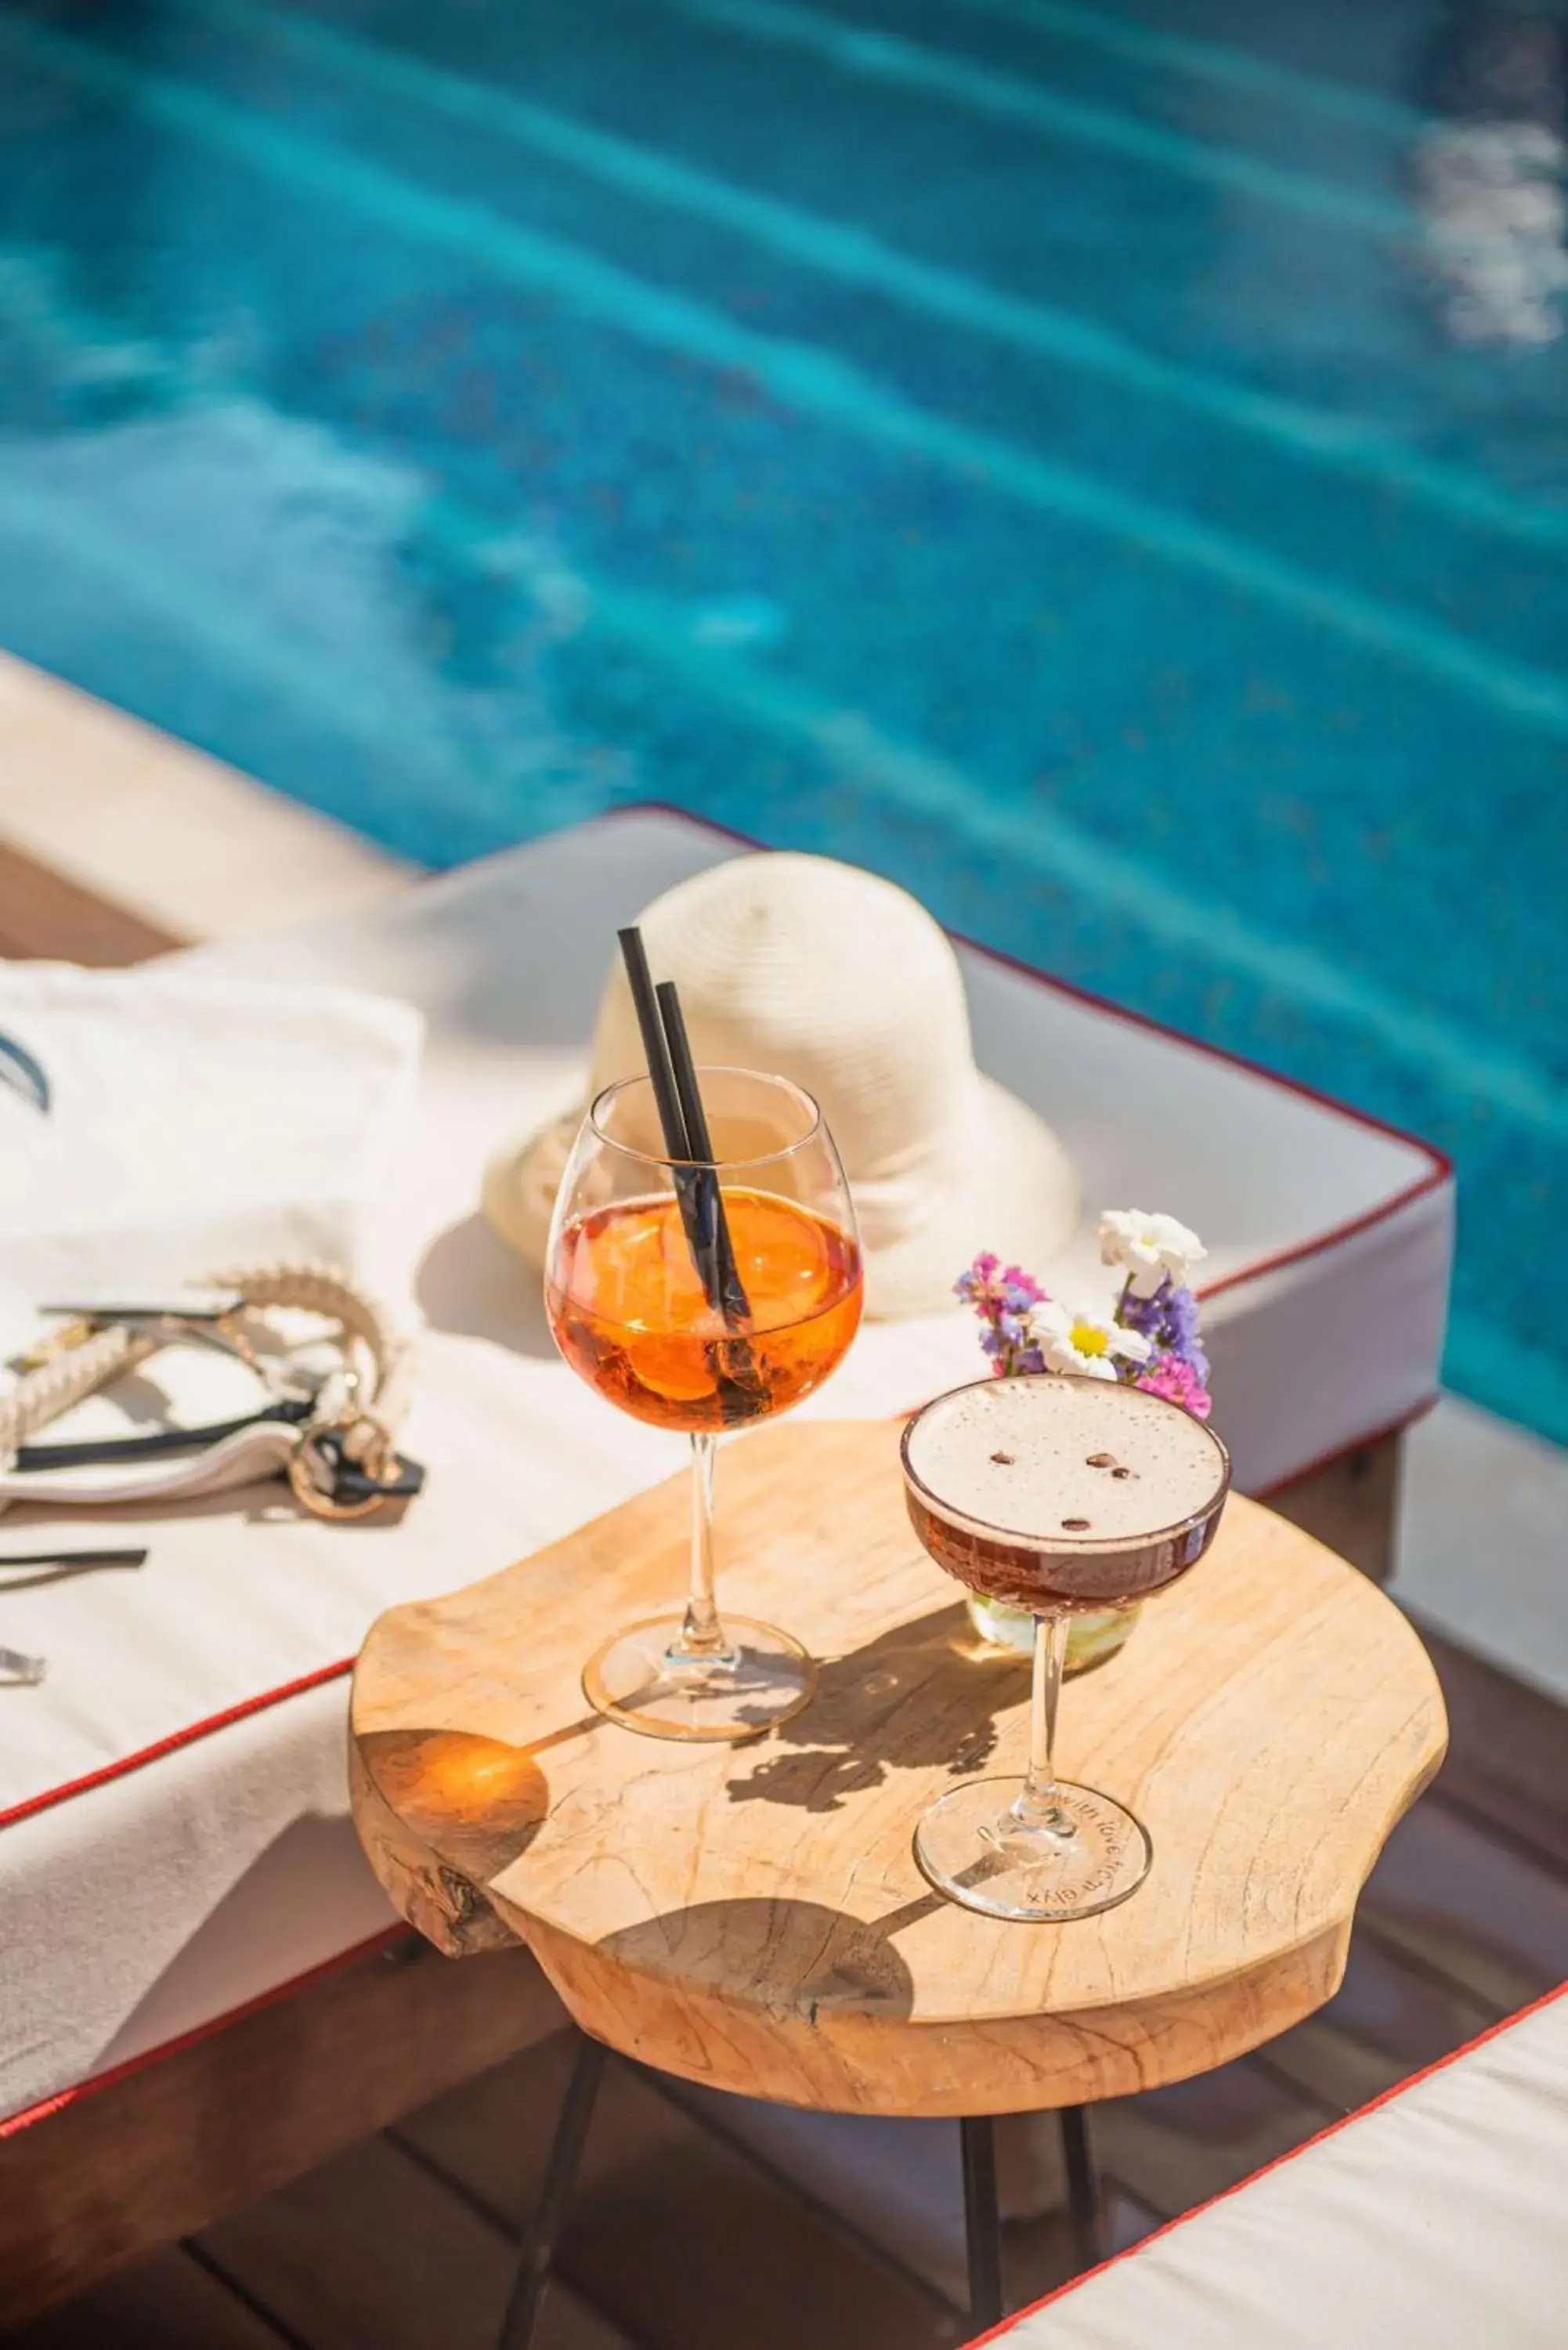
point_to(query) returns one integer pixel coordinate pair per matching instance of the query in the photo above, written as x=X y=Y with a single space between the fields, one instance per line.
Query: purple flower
x=1022 y=1289
x=1181 y=1318
x=1145 y=1315
x=1168 y=1318
x=1181 y=1331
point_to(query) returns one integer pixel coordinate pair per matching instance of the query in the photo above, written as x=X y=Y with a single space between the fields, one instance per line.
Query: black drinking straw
x=671 y=1118
x=721 y=1274
x=696 y=1188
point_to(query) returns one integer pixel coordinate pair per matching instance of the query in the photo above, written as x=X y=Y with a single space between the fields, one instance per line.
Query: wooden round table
x=751 y=1916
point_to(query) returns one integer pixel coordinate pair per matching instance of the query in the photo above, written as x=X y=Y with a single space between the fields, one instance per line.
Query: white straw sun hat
x=823 y=973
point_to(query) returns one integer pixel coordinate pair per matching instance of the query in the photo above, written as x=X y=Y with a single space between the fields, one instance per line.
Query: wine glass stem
x=701 y=1636
x=1038 y=1805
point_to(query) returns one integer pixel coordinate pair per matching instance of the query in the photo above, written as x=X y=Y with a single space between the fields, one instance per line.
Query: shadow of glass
x=923 y=1694
x=477 y=1802
x=798 y=1952
x=470 y=1283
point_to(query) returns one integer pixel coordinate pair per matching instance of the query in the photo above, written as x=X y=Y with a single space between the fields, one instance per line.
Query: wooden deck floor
x=704 y=2223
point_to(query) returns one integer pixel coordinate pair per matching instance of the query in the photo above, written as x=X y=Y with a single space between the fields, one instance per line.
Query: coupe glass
x=1062 y=1495
x=631 y=1314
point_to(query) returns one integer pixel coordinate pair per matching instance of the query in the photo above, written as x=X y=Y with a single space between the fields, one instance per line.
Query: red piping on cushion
x=176 y=1737
x=1343 y=1451
x=24 y=2119
x=1331 y=2129
x=1434 y=1180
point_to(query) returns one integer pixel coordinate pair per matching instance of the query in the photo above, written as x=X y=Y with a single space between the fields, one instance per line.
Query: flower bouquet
x=1147 y=1339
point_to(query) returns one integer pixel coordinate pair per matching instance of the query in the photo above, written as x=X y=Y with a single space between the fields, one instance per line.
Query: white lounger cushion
x=1431 y=2221
x=1329 y=1242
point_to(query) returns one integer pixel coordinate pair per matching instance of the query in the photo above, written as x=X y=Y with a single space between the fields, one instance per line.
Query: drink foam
x=1058 y=1461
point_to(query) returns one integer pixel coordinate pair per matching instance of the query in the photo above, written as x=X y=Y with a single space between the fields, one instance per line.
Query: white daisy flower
x=1087 y=1341
x=1149 y=1247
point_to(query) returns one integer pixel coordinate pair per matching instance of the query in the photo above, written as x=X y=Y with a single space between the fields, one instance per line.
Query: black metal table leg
x=560 y=2177
x=1082 y=2188
x=982 y=2221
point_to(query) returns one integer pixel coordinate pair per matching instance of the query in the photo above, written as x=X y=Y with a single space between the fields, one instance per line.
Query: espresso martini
x=1052 y=1493
x=1058 y=1493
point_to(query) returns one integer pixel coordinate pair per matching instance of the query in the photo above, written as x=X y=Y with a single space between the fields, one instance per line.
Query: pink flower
x=1170 y=1377
x=1003 y=1301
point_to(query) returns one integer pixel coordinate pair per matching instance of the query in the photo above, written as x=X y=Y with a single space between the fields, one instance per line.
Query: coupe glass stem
x=1038 y=1806
x=701 y=1640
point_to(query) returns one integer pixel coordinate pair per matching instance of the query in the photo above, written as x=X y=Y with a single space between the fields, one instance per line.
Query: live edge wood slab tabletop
x=751 y=1916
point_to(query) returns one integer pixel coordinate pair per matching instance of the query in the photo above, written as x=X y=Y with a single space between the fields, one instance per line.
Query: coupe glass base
x=764 y=1678
x=973 y=1851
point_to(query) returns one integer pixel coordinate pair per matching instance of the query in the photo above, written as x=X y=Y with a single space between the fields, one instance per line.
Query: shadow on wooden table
x=829 y=1957
x=921 y=1694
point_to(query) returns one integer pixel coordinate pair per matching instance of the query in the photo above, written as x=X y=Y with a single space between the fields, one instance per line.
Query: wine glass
x=634 y=1310
x=1058 y=1493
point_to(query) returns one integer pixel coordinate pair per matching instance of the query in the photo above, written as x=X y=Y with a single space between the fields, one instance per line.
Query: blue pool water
x=1105 y=466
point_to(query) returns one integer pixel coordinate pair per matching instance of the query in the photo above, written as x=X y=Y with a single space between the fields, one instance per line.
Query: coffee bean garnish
x=1075 y=1526
x=1100 y=1460
x=1124 y=1472
x=1004 y=1459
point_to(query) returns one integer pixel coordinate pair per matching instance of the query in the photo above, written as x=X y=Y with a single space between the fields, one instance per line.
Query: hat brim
x=1018 y=1195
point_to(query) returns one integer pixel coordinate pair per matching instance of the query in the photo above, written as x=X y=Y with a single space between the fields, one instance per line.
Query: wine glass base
x=764 y=1678
x=972 y=1851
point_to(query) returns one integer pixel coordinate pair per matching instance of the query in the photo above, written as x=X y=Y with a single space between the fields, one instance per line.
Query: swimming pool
x=1107 y=468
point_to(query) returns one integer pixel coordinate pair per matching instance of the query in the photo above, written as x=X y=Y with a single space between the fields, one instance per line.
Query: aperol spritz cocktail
x=638 y=1313
x=632 y=1317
